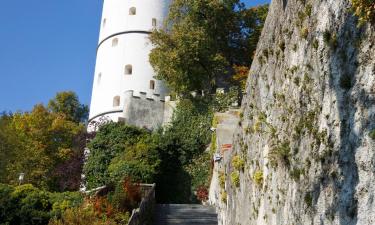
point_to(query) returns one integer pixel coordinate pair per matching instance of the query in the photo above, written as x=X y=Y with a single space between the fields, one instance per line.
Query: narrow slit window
x=152 y=84
x=154 y=22
x=116 y=101
x=99 y=77
x=132 y=11
x=114 y=42
x=128 y=69
x=104 y=22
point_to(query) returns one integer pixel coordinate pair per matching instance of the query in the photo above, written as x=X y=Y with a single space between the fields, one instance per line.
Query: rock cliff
x=304 y=149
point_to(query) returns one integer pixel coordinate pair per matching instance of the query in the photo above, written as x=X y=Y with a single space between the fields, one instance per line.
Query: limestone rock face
x=308 y=113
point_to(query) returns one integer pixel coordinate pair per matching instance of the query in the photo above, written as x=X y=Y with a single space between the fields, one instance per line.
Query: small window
x=116 y=101
x=99 y=78
x=104 y=22
x=128 y=70
x=132 y=11
x=152 y=84
x=154 y=22
x=114 y=42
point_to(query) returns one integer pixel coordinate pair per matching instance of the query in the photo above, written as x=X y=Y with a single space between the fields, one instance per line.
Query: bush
x=280 y=153
x=238 y=163
x=365 y=10
x=258 y=177
x=372 y=134
x=202 y=193
x=235 y=178
x=26 y=204
x=111 y=141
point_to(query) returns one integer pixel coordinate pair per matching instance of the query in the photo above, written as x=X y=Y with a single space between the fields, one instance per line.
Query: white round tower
x=122 y=63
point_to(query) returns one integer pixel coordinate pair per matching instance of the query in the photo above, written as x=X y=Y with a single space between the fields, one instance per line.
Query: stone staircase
x=185 y=214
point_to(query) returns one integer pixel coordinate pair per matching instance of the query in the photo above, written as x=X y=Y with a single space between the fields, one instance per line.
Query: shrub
x=316 y=44
x=308 y=10
x=365 y=10
x=330 y=39
x=224 y=196
x=26 y=204
x=235 y=178
x=258 y=177
x=305 y=32
x=127 y=196
x=372 y=134
x=308 y=199
x=222 y=180
x=296 y=173
x=202 y=193
x=280 y=153
x=238 y=163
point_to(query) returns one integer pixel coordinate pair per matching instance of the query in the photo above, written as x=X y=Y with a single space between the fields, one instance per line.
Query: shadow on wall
x=343 y=69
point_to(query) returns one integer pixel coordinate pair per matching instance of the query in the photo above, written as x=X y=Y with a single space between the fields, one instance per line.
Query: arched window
x=154 y=22
x=152 y=84
x=99 y=78
x=116 y=101
x=128 y=69
x=104 y=22
x=114 y=42
x=132 y=11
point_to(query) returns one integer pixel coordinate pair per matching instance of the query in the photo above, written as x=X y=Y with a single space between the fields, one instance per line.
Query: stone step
x=185 y=214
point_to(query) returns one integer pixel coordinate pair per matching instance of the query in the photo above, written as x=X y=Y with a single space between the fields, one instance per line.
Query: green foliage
x=224 y=101
x=296 y=173
x=224 y=196
x=235 y=178
x=26 y=204
x=119 y=151
x=280 y=153
x=203 y=40
x=222 y=180
x=308 y=199
x=316 y=44
x=365 y=10
x=213 y=146
x=238 y=163
x=372 y=134
x=308 y=9
x=116 y=152
x=199 y=171
x=304 y=32
x=330 y=39
x=258 y=177
x=67 y=103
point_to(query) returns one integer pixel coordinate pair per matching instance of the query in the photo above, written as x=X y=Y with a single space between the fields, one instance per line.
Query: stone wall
x=144 y=111
x=307 y=115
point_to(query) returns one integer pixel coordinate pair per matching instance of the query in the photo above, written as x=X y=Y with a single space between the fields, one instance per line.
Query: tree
x=202 y=40
x=45 y=144
x=45 y=141
x=67 y=103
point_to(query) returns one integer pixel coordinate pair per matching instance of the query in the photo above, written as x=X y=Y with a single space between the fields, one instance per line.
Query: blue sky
x=47 y=46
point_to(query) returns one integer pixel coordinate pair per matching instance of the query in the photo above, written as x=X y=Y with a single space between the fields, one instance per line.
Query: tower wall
x=122 y=63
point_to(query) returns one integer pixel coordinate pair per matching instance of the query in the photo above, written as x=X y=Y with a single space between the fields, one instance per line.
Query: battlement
x=146 y=96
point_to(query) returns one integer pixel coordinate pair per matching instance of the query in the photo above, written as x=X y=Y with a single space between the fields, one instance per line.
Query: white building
x=123 y=71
